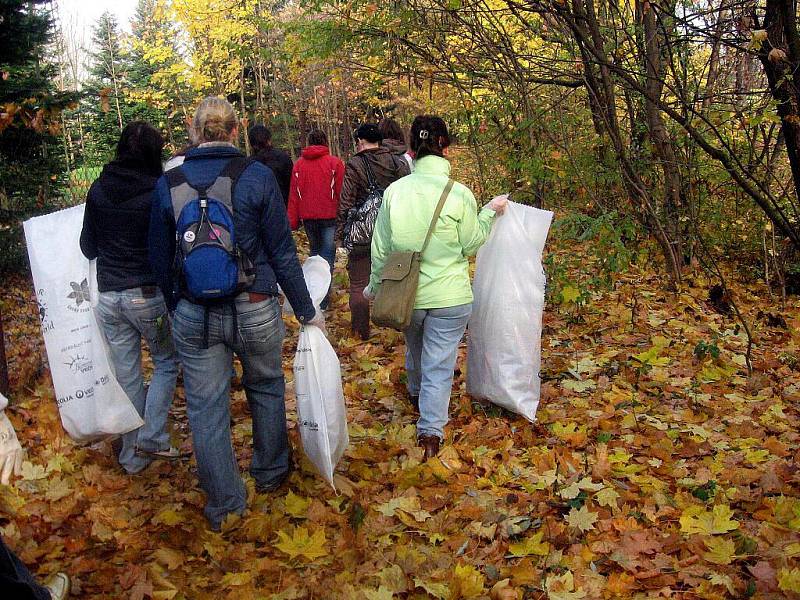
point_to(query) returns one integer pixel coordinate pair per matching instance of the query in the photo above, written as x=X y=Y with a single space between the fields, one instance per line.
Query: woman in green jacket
x=444 y=295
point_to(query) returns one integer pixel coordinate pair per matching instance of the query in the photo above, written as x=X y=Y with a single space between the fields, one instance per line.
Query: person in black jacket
x=277 y=160
x=131 y=306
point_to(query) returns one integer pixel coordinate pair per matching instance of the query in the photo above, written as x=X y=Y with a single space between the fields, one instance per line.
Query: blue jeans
x=431 y=350
x=256 y=336
x=320 y=233
x=126 y=317
x=16 y=580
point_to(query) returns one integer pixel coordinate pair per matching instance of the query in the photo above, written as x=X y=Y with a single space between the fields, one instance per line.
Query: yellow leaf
x=296 y=506
x=569 y=294
x=299 y=543
x=467 y=582
x=695 y=519
x=380 y=594
x=650 y=357
x=407 y=504
x=237 y=579
x=168 y=517
x=32 y=472
x=172 y=559
x=582 y=519
x=721 y=550
x=789 y=580
x=532 y=545
x=434 y=588
x=562 y=587
x=57 y=488
x=607 y=497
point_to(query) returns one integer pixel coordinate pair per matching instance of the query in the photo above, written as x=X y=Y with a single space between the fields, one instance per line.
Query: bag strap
x=371 y=181
x=436 y=213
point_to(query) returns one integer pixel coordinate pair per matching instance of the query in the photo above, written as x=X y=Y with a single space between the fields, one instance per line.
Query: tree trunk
x=780 y=57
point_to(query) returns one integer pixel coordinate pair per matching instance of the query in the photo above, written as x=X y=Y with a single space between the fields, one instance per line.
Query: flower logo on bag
x=80 y=293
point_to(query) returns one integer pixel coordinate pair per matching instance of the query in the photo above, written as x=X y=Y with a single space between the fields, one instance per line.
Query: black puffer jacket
x=115 y=227
x=281 y=166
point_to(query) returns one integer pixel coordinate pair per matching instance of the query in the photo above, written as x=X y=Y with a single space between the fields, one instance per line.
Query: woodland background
x=666 y=138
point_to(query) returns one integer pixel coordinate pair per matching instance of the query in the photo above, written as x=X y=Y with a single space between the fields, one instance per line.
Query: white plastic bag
x=90 y=401
x=505 y=329
x=321 y=413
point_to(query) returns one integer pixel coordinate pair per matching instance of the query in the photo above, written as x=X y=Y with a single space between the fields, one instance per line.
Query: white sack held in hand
x=91 y=402
x=505 y=330
x=321 y=413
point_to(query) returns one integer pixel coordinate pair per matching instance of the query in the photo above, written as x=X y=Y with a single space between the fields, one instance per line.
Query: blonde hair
x=214 y=120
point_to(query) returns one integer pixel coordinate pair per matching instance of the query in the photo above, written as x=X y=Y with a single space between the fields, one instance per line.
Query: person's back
x=277 y=160
x=130 y=307
x=316 y=183
x=115 y=226
x=371 y=160
x=443 y=300
x=394 y=140
x=410 y=203
x=246 y=322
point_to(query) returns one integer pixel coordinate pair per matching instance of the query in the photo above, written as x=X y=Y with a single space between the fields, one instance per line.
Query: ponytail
x=429 y=135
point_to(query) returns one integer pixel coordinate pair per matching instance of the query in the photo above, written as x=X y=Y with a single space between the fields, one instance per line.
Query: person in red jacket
x=314 y=196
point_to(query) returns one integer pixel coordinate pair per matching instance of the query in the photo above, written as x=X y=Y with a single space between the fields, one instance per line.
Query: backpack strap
x=222 y=188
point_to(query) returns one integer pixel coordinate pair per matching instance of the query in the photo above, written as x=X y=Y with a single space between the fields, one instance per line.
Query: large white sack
x=505 y=329
x=90 y=401
x=321 y=413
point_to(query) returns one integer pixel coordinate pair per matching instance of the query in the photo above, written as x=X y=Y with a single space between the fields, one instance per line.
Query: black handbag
x=360 y=221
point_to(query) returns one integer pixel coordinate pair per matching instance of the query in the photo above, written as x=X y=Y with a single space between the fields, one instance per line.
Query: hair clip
x=423 y=134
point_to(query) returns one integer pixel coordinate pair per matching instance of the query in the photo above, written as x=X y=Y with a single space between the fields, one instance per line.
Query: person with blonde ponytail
x=248 y=323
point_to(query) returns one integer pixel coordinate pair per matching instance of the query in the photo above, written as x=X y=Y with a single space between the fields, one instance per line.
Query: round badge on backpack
x=188 y=237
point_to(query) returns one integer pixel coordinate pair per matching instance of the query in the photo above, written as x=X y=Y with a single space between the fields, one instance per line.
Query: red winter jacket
x=316 y=184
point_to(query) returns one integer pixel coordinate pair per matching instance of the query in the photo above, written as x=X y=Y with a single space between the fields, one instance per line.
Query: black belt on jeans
x=149 y=291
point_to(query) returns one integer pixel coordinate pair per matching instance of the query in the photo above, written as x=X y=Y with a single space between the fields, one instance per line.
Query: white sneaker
x=172 y=453
x=58 y=586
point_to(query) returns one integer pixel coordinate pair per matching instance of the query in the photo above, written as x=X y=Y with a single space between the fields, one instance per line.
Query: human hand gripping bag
x=91 y=402
x=505 y=328
x=321 y=412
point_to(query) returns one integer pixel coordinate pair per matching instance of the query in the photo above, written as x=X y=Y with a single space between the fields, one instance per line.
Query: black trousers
x=16 y=581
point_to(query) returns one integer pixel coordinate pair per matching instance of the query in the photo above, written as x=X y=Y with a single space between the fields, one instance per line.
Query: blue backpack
x=207 y=258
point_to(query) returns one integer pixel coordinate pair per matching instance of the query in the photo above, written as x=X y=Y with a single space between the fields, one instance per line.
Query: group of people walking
x=135 y=226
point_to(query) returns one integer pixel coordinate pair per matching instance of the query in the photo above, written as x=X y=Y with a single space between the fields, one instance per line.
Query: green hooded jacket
x=403 y=220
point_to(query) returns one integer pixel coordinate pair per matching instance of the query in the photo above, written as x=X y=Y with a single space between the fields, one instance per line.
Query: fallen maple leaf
x=467 y=582
x=296 y=506
x=562 y=587
x=582 y=519
x=789 y=580
x=721 y=550
x=299 y=543
x=695 y=519
x=531 y=546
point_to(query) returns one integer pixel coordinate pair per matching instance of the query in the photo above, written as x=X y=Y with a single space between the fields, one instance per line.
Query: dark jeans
x=359 y=264
x=16 y=581
x=320 y=233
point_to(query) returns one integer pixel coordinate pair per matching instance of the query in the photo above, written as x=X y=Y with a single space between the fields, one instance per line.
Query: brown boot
x=430 y=443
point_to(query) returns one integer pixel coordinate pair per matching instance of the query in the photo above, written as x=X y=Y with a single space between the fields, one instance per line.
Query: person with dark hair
x=131 y=307
x=394 y=140
x=277 y=160
x=374 y=166
x=444 y=295
x=314 y=196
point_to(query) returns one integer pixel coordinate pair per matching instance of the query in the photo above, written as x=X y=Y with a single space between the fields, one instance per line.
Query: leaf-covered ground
x=657 y=469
